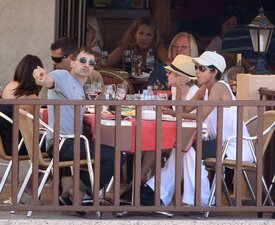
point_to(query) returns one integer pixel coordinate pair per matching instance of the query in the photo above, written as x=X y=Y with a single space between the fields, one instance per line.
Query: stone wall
x=26 y=27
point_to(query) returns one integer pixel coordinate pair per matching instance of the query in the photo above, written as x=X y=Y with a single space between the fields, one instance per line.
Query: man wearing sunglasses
x=62 y=84
x=61 y=53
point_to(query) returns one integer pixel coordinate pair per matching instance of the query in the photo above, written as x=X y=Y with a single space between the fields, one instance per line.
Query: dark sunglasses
x=58 y=59
x=202 y=68
x=83 y=60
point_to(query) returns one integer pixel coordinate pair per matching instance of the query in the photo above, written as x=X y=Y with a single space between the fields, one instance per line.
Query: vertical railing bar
x=239 y=156
x=35 y=148
x=178 y=156
x=158 y=154
x=137 y=160
x=198 y=157
x=56 y=152
x=15 y=166
x=259 y=155
x=97 y=155
x=219 y=168
x=76 y=165
x=118 y=144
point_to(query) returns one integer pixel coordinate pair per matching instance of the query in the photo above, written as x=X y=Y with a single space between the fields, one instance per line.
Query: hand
x=40 y=76
x=168 y=111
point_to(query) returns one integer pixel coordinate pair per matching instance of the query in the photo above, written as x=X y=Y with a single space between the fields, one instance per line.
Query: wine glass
x=121 y=91
x=99 y=88
x=90 y=91
x=110 y=91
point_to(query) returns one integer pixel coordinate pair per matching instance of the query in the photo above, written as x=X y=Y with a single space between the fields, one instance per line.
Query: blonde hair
x=97 y=40
x=194 y=52
x=128 y=40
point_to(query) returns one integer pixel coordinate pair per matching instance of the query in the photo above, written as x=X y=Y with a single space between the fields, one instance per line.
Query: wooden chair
x=268 y=129
x=231 y=69
x=46 y=164
x=111 y=77
x=8 y=158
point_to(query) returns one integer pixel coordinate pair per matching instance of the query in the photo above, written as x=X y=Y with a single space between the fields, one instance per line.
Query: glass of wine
x=90 y=91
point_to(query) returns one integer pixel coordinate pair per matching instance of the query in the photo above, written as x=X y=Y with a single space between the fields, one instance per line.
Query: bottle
x=240 y=68
x=150 y=60
x=127 y=61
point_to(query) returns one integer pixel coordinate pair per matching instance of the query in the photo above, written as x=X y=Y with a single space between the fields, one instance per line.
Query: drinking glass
x=90 y=91
x=162 y=96
x=121 y=91
x=110 y=91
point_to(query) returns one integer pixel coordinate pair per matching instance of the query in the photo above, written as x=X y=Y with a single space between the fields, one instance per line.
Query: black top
x=6 y=131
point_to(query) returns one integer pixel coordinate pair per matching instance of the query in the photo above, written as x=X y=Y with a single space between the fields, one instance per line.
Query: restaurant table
x=148 y=134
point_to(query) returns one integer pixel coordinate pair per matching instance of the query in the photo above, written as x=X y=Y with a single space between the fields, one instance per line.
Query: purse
x=208 y=148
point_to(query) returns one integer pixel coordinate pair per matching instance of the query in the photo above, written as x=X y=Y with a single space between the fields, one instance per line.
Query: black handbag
x=208 y=148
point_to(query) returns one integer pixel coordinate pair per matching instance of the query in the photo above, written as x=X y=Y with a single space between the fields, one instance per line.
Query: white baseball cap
x=209 y=58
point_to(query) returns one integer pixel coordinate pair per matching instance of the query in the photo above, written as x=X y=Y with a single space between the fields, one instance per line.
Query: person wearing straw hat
x=181 y=74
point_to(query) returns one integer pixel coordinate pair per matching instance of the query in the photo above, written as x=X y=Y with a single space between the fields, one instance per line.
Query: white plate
x=168 y=118
x=143 y=76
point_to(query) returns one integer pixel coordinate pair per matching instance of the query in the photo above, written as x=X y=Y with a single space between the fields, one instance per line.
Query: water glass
x=162 y=96
x=121 y=91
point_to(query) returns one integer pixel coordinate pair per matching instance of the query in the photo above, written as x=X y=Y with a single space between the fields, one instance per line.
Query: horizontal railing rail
x=116 y=206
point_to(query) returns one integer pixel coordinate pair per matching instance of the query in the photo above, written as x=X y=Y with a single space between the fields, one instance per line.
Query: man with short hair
x=61 y=53
x=62 y=84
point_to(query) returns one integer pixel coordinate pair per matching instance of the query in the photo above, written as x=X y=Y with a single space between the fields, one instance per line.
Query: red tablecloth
x=148 y=134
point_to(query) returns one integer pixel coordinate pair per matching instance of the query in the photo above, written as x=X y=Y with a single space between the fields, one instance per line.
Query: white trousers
x=167 y=186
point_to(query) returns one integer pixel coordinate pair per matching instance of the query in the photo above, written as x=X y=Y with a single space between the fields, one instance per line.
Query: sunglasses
x=202 y=68
x=83 y=60
x=58 y=59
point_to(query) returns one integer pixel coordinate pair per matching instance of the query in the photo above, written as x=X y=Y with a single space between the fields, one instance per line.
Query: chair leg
x=250 y=189
x=6 y=175
x=267 y=193
x=227 y=195
x=42 y=184
x=212 y=193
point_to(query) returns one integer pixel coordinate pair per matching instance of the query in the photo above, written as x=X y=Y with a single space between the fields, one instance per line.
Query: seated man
x=62 y=84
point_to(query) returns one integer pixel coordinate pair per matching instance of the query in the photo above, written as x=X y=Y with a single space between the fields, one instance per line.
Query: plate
x=168 y=118
x=143 y=76
x=130 y=112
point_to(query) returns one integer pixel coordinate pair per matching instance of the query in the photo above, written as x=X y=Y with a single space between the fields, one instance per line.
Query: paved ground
x=131 y=219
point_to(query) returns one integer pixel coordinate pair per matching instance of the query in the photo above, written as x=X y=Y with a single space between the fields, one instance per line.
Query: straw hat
x=183 y=65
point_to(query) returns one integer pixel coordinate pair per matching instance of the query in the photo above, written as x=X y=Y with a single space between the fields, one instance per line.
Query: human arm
x=115 y=56
x=218 y=92
x=43 y=79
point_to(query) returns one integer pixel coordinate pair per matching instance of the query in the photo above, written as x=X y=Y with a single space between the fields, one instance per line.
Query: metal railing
x=116 y=206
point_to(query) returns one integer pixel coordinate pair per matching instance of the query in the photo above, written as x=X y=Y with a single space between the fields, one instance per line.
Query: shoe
x=67 y=201
x=64 y=201
x=146 y=195
x=25 y=199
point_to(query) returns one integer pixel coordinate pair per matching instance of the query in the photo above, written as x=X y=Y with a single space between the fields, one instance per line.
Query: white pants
x=167 y=186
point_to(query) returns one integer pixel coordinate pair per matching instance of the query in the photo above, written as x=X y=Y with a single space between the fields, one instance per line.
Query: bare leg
x=67 y=184
x=148 y=162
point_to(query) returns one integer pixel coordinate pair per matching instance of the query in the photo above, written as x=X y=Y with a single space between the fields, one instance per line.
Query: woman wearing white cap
x=209 y=68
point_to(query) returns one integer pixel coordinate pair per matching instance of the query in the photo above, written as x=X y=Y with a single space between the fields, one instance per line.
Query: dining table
x=148 y=134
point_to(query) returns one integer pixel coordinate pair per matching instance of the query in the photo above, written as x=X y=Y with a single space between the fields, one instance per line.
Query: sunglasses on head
x=58 y=59
x=203 y=68
x=83 y=60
